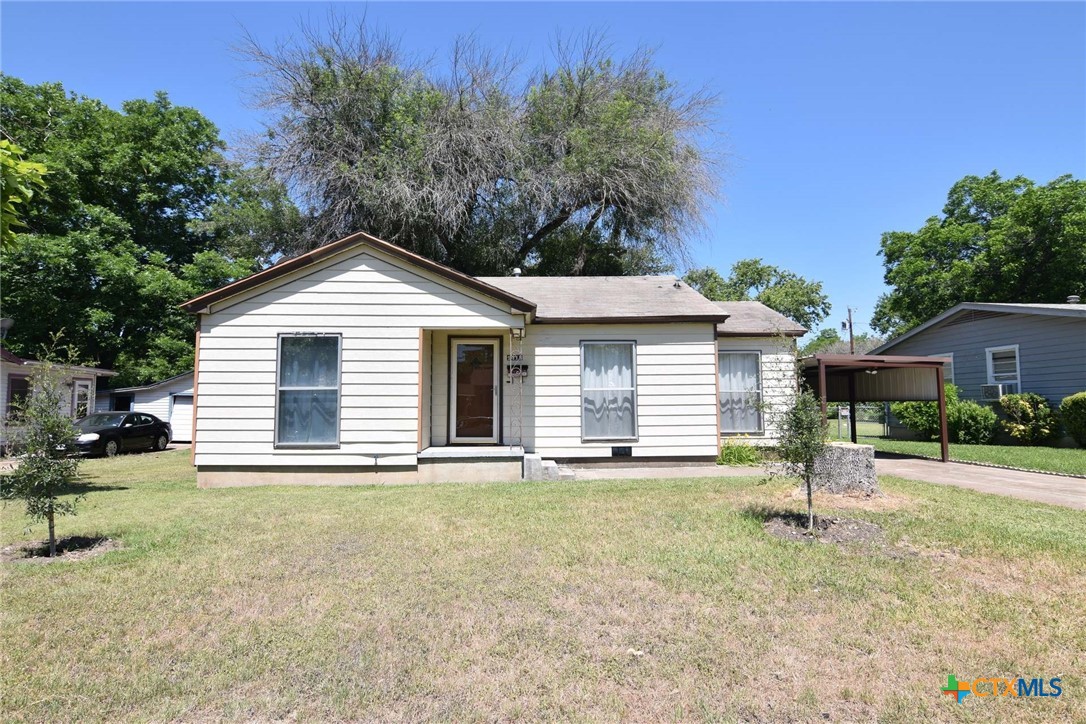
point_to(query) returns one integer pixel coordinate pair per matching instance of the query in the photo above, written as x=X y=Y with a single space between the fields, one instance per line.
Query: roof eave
x=661 y=319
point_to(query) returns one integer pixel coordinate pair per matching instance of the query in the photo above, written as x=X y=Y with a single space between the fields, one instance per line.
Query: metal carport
x=856 y=378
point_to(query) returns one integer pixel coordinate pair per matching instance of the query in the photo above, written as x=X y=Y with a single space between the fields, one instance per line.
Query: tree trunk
x=52 y=533
x=810 y=504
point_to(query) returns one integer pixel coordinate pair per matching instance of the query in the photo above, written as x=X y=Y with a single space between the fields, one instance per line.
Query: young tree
x=469 y=165
x=998 y=240
x=800 y=300
x=45 y=442
x=802 y=431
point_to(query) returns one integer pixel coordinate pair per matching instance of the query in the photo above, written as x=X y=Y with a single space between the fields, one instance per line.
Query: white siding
x=378 y=306
x=778 y=377
x=676 y=390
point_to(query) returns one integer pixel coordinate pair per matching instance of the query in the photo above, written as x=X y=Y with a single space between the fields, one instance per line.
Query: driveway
x=1042 y=488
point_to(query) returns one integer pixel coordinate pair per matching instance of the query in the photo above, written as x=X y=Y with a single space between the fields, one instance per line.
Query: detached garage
x=169 y=400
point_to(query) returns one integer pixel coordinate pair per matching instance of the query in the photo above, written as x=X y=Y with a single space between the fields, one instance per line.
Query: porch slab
x=473 y=452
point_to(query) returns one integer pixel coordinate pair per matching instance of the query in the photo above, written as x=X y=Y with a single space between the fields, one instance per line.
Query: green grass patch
x=584 y=600
x=1050 y=459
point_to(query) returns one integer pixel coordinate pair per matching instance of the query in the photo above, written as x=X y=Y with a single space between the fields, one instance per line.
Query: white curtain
x=608 y=391
x=740 y=392
x=308 y=390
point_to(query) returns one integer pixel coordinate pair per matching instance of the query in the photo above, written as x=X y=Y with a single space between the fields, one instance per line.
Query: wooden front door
x=474 y=392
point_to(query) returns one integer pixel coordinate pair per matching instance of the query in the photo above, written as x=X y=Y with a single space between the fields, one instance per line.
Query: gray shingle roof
x=755 y=319
x=610 y=299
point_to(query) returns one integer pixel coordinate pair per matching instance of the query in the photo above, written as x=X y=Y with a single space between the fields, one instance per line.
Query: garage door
x=181 y=418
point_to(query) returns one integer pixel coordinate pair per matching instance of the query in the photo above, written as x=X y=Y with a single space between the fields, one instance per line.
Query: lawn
x=1051 y=459
x=573 y=600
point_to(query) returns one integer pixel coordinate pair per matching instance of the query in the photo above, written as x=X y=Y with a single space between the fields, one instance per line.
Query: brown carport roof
x=856 y=378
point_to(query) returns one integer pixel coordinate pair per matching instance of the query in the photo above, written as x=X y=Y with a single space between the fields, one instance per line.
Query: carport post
x=822 y=387
x=852 y=405
x=944 y=434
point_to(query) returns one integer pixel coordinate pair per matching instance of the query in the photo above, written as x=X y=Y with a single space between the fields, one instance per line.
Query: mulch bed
x=793 y=527
x=73 y=548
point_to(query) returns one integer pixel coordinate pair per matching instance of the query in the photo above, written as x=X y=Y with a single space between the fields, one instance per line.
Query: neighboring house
x=169 y=400
x=757 y=364
x=1004 y=348
x=363 y=362
x=15 y=373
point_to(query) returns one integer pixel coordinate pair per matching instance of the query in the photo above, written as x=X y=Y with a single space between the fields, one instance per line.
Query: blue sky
x=841 y=120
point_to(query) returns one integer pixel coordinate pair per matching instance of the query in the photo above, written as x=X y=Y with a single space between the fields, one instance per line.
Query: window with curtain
x=308 y=390
x=608 y=391
x=740 y=392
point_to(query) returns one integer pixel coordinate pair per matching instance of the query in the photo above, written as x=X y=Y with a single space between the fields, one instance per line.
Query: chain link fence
x=871 y=420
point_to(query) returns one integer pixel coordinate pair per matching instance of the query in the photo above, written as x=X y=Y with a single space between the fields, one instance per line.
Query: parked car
x=110 y=433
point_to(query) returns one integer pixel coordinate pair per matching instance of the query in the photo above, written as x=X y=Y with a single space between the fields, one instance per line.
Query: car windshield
x=97 y=422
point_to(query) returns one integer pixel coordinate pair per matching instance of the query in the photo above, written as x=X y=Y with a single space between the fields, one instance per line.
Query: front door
x=473 y=391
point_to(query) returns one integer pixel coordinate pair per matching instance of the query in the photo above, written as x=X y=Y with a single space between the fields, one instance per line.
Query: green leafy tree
x=593 y=164
x=830 y=341
x=802 y=440
x=46 y=478
x=19 y=182
x=786 y=292
x=998 y=240
x=143 y=212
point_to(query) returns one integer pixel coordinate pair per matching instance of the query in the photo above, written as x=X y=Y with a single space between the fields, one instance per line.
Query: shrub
x=1073 y=412
x=923 y=417
x=971 y=424
x=737 y=451
x=1030 y=419
x=967 y=422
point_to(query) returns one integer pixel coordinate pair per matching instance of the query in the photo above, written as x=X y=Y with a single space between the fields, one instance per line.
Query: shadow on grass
x=766 y=513
x=71 y=544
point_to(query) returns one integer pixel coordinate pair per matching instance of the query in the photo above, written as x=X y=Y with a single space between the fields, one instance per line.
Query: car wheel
x=161 y=442
x=112 y=448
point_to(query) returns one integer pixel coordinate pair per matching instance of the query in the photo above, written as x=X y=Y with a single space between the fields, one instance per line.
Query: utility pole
x=847 y=326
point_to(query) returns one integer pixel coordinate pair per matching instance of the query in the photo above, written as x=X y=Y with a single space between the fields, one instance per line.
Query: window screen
x=608 y=391
x=740 y=392
x=1004 y=365
x=308 y=390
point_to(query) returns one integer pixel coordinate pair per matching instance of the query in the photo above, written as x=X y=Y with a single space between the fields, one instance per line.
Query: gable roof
x=610 y=300
x=360 y=238
x=1054 y=310
x=11 y=357
x=754 y=319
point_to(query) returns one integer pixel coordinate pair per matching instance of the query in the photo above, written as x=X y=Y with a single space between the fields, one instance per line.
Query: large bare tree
x=588 y=165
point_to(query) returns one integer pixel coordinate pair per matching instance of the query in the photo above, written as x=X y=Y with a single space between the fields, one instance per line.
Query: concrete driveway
x=1042 y=488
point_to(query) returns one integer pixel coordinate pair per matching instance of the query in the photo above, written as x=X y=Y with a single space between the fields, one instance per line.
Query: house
x=169 y=400
x=15 y=374
x=996 y=349
x=363 y=362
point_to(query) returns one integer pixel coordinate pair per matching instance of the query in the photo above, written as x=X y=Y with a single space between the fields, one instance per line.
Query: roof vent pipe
x=516 y=271
x=1073 y=299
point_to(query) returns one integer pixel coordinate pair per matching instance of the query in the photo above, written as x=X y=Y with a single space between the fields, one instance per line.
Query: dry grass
x=598 y=600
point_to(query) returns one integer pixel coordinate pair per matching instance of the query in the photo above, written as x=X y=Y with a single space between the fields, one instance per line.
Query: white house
x=169 y=400
x=15 y=384
x=363 y=362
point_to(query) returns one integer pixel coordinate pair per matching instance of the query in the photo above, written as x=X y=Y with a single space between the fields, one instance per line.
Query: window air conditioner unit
x=994 y=392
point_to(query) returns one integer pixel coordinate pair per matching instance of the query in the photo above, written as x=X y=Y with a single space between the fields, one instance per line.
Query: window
x=608 y=391
x=740 y=391
x=307 y=391
x=18 y=391
x=948 y=369
x=122 y=403
x=1003 y=365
